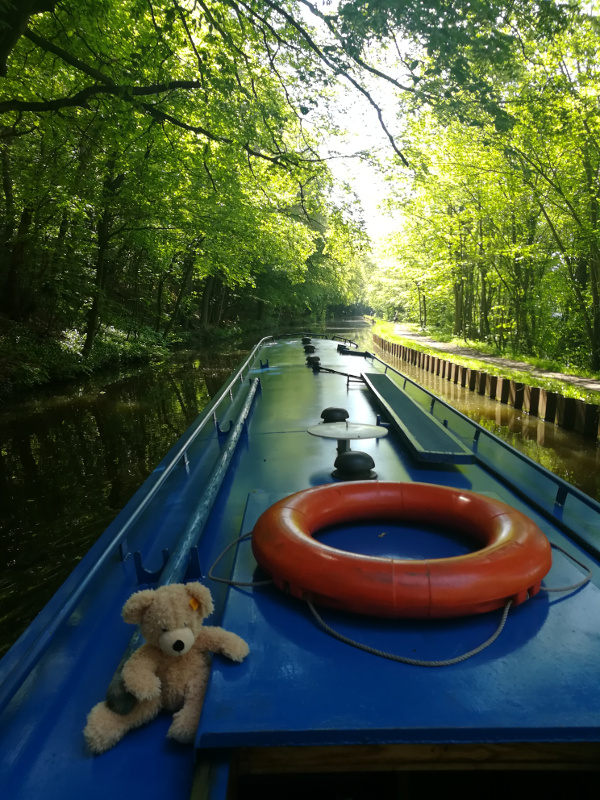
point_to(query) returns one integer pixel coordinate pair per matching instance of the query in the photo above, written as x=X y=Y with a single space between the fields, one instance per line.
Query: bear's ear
x=200 y=599
x=134 y=608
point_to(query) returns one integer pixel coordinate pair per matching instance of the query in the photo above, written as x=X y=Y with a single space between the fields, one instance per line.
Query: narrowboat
x=415 y=594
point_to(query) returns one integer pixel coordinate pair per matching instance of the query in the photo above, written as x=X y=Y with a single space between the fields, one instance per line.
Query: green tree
x=556 y=149
x=148 y=178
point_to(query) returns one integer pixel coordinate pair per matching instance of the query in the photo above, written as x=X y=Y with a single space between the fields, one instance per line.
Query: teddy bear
x=170 y=671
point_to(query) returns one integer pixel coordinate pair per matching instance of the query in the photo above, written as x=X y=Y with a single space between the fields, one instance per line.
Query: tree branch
x=14 y=18
x=574 y=285
x=282 y=160
x=68 y=58
x=82 y=97
x=373 y=70
x=337 y=69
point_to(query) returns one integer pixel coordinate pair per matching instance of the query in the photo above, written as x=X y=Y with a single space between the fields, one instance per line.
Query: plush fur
x=171 y=670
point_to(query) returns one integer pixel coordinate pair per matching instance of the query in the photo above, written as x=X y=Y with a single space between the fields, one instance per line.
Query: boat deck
x=302 y=699
x=302 y=687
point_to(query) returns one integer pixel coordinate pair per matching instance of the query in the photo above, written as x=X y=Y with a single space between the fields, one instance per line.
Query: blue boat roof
x=299 y=686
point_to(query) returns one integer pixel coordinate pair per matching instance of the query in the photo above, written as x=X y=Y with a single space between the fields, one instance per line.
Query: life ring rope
x=228 y=581
x=573 y=586
x=269 y=582
x=457 y=659
x=412 y=661
x=392 y=656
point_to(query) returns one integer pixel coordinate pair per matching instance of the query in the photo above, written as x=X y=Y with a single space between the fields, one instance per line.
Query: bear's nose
x=178 y=646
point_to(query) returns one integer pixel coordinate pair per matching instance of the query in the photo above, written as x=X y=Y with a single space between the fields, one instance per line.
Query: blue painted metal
x=426 y=437
x=183 y=562
x=176 y=566
x=299 y=686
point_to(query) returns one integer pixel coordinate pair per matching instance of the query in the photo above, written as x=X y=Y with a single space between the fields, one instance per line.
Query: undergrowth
x=30 y=358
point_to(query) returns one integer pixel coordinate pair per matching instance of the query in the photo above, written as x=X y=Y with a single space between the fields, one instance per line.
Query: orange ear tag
x=194 y=603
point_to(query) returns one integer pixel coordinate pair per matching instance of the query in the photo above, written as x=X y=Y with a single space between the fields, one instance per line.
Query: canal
x=565 y=453
x=71 y=458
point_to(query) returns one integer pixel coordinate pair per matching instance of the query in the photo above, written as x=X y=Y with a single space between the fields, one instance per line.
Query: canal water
x=565 y=453
x=70 y=459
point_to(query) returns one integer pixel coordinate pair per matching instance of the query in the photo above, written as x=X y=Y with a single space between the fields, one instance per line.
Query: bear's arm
x=217 y=640
x=139 y=674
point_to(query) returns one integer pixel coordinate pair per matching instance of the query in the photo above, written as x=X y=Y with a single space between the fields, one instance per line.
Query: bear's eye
x=185 y=625
x=164 y=630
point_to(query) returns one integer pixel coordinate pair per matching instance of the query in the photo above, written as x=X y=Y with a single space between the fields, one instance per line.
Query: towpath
x=588 y=384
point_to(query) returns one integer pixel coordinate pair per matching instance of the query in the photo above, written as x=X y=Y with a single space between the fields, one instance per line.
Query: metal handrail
x=118 y=698
x=301 y=333
x=336 y=337
x=22 y=666
x=173 y=458
x=563 y=488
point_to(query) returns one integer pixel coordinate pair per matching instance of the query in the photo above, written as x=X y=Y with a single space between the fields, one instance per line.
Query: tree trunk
x=159 y=293
x=14 y=18
x=484 y=307
x=206 y=298
x=188 y=266
x=219 y=314
x=15 y=299
x=594 y=263
x=457 y=328
x=9 y=207
x=93 y=315
x=595 y=306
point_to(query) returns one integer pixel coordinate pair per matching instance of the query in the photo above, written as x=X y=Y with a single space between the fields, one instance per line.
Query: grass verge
x=563 y=387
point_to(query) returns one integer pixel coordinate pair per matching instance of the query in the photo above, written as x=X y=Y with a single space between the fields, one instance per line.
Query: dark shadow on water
x=70 y=461
x=70 y=458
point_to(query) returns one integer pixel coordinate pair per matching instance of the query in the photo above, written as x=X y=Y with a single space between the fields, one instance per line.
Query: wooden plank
x=404 y=757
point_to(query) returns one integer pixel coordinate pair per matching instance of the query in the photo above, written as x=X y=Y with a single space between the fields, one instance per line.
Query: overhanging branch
x=82 y=97
x=50 y=47
x=14 y=18
x=337 y=69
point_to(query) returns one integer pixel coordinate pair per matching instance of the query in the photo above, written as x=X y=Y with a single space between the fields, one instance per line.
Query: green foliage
x=30 y=358
x=158 y=173
x=498 y=237
x=557 y=385
x=462 y=52
x=160 y=164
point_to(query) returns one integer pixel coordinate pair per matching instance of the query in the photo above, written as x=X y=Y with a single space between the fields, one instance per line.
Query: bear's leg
x=104 y=728
x=185 y=721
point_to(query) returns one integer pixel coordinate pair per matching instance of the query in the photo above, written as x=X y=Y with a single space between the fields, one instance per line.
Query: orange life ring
x=515 y=557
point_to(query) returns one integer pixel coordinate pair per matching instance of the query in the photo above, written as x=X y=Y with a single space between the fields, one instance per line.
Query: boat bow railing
x=25 y=654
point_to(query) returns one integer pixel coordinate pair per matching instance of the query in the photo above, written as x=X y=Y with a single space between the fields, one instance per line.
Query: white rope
x=391 y=656
x=572 y=586
x=413 y=661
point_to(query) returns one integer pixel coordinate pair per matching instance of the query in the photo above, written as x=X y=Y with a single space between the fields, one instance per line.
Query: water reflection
x=565 y=453
x=69 y=462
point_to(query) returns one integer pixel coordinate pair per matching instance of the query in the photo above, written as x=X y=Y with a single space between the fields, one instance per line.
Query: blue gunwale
x=293 y=689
